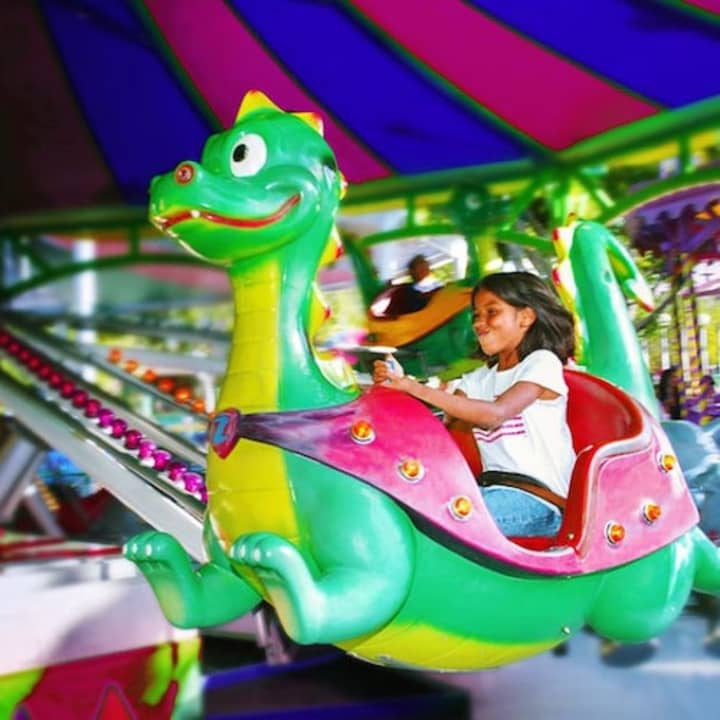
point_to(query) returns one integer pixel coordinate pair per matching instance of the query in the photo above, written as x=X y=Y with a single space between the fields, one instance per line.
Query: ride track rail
x=218 y=339
x=64 y=352
x=148 y=470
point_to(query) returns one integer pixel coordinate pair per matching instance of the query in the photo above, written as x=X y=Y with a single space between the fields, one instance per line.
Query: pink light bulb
x=132 y=439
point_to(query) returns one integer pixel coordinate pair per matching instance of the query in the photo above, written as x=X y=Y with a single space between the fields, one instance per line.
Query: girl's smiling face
x=500 y=327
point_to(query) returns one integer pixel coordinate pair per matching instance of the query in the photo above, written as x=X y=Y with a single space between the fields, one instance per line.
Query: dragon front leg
x=190 y=598
x=351 y=580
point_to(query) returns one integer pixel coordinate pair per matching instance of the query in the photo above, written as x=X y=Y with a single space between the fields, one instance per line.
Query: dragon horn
x=312 y=119
x=255 y=100
x=343 y=185
x=334 y=248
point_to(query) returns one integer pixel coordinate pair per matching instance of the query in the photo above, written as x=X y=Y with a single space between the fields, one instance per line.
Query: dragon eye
x=248 y=156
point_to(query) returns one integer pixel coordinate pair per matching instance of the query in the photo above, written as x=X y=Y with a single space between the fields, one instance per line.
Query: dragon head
x=259 y=185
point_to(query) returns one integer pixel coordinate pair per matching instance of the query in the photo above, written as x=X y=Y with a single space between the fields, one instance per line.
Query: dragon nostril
x=184 y=174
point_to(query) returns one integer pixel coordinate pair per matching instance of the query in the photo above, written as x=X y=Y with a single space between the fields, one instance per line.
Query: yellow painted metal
x=407 y=328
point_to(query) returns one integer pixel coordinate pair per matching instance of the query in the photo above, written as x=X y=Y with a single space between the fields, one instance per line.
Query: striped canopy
x=97 y=96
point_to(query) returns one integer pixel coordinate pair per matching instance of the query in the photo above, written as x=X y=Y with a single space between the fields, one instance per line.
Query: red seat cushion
x=465 y=440
x=598 y=412
x=538 y=543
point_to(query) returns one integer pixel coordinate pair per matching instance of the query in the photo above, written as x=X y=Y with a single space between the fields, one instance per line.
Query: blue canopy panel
x=651 y=48
x=141 y=117
x=405 y=116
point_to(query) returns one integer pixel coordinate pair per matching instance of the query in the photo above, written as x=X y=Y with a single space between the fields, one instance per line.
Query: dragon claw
x=151 y=549
x=182 y=589
x=266 y=552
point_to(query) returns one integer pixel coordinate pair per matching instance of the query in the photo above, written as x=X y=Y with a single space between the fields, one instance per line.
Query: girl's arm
x=482 y=413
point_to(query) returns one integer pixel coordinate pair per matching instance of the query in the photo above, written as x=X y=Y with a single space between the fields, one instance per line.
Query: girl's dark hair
x=668 y=392
x=553 y=328
x=665 y=386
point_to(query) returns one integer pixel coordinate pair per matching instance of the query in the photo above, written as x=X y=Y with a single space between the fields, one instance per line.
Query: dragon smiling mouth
x=165 y=223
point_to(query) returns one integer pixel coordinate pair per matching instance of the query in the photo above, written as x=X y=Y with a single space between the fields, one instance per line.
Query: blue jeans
x=520 y=514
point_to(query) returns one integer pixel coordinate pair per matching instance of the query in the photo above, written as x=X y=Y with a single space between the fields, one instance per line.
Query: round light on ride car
x=461 y=507
x=614 y=532
x=652 y=512
x=362 y=432
x=667 y=462
x=411 y=470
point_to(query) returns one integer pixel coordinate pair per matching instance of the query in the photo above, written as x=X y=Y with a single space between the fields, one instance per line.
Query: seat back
x=462 y=434
x=598 y=412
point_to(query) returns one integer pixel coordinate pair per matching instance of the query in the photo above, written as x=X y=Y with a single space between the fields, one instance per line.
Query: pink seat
x=598 y=413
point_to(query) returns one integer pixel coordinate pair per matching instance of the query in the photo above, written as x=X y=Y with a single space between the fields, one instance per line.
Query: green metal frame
x=18 y=233
x=551 y=177
x=573 y=164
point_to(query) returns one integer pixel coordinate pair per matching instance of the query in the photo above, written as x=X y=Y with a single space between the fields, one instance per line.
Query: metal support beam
x=138 y=487
x=20 y=457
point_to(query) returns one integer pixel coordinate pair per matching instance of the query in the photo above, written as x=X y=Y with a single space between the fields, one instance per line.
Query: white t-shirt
x=537 y=441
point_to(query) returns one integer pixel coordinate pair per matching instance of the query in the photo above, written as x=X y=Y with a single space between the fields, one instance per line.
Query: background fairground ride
x=472 y=157
x=498 y=153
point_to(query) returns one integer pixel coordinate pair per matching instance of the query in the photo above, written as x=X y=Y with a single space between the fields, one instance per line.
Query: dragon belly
x=249 y=492
x=460 y=616
x=463 y=616
x=425 y=647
